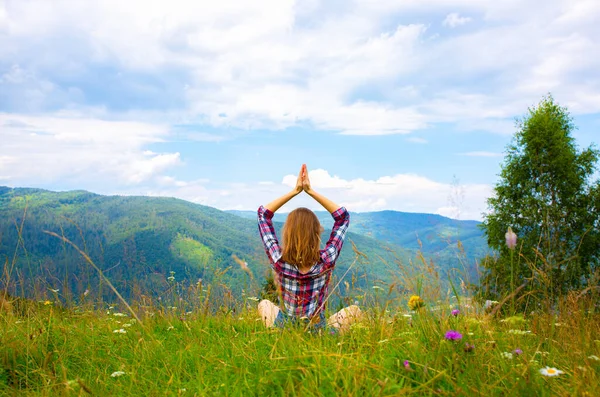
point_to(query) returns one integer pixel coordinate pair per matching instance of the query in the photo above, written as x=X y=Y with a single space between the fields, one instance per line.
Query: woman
x=302 y=270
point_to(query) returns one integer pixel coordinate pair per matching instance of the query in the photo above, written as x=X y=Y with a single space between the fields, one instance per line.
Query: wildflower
x=86 y=292
x=511 y=239
x=46 y=303
x=490 y=304
x=117 y=374
x=415 y=302
x=120 y=315
x=453 y=335
x=518 y=352
x=171 y=278
x=406 y=364
x=455 y=312
x=469 y=348
x=595 y=358
x=507 y=355
x=119 y=331
x=549 y=371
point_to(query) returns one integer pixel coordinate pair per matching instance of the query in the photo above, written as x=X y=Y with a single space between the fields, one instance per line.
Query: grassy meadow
x=103 y=350
x=420 y=336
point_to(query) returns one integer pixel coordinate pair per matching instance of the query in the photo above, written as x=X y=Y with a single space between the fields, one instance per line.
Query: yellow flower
x=415 y=302
x=46 y=303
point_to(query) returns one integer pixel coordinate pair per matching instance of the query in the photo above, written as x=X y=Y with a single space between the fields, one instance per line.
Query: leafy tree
x=547 y=195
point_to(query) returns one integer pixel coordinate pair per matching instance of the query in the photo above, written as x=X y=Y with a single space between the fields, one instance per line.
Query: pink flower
x=511 y=239
x=453 y=335
x=455 y=312
x=518 y=352
x=406 y=364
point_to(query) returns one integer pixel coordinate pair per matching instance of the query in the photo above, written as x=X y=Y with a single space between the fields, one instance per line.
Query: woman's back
x=303 y=291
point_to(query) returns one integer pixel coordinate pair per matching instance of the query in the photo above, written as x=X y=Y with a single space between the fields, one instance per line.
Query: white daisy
x=549 y=371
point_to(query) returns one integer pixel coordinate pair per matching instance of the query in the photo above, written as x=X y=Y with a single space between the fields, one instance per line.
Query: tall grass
x=185 y=347
x=46 y=350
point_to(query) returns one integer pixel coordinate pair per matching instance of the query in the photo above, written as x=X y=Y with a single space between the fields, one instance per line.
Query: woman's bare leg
x=345 y=317
x=267 y=311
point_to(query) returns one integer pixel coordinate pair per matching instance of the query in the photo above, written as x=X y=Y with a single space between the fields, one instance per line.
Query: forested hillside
x=436 y=236
x=139 y=241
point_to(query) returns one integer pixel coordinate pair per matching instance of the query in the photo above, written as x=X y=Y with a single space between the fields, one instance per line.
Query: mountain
x=139 y=241
x=435 y=236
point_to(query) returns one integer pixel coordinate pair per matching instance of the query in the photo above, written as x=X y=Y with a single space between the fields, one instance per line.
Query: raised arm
x=341 y=219
x=324 y=201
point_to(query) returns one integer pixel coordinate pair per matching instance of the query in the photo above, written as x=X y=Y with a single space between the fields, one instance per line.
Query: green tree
x=548 y=197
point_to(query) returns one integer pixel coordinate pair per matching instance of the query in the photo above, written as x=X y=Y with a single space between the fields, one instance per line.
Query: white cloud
x=275 y=64
x=454 y=19
x=38 y=150
x=367 y=68
x=402 y=192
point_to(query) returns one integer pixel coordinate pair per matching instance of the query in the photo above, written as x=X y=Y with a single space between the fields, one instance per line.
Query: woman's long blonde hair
x=301 y=238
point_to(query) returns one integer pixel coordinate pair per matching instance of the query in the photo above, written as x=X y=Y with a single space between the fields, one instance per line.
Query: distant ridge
x=138 y=241
x=431 y=233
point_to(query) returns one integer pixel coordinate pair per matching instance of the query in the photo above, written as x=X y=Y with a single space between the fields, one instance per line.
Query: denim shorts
x=284 y=320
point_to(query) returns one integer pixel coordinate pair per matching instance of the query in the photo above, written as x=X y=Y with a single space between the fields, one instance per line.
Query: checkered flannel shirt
x=303 y=293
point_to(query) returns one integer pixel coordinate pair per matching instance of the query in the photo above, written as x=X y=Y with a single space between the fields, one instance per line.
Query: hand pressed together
x=305 y=179
x=303 y=182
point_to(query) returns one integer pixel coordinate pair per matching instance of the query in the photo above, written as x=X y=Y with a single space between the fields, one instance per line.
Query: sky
x=393 y=105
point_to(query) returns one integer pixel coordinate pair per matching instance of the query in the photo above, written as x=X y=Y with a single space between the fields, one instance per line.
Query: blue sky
x=403 y=105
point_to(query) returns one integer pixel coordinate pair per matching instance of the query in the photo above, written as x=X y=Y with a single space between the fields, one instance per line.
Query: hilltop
x=434 y=235
x=139 y=241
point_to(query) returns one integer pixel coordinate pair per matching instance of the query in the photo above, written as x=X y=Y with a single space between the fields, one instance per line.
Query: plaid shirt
x=303 y=293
